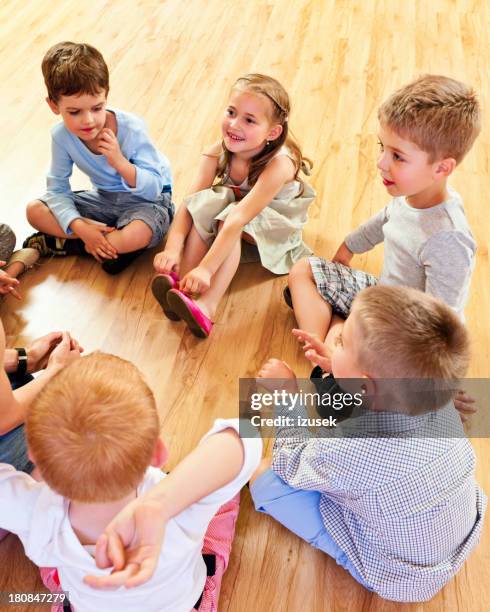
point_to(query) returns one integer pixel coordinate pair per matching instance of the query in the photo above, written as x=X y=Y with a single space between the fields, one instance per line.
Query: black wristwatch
x=22 y=364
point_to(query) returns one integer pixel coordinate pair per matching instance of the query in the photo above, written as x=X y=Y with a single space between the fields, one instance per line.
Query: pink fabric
x=217 y=541
x=50 y=578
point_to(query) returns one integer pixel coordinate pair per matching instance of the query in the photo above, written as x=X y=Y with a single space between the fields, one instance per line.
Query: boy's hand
x=197 y=280
x=166 y=262
x=274 y=370
x=8 y=283
x=315 y=350
x=108 y=145
x=465 y=405
x=66 y=352
x=93 y=235
x=131 y=544
x=343 y=255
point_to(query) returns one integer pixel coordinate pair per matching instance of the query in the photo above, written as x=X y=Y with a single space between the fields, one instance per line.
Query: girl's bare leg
x=208 y=302
x=194 y=250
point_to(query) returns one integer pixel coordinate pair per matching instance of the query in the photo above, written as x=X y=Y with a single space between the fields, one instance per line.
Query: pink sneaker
x=160 y=286
x=182 y=305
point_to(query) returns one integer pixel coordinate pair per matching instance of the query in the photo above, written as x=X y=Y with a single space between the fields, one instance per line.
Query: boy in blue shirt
x=130 y=207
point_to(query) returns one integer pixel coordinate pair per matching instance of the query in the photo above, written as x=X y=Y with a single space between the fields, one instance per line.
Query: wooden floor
x=173 y=63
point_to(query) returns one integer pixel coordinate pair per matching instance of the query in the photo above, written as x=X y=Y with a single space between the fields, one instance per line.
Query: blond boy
x=93 y=433
x=400 y=508
x=425 y=130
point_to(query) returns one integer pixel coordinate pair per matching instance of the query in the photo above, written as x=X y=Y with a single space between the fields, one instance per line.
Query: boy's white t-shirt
x=39 y=516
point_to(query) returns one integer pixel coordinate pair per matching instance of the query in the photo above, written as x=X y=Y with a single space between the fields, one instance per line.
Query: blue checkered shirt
x=406 y=510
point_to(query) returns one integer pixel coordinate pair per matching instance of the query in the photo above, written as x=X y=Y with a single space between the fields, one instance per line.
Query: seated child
x=426 y=129
x=93 y=432
x=14 y=263
x=130 y=207
x=259 y=198
x=401 y=510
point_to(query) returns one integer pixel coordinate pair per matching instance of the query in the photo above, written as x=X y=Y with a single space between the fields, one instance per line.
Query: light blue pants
x=299 y=511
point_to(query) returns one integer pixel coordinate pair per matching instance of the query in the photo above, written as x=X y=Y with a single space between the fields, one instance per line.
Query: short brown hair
x=440 y=115
x=93 y=429
x=407 y=334
x=74 y=68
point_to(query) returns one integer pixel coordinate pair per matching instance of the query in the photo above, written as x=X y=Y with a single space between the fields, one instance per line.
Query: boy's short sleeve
x=448 y=260
x=196 y=518
x=369 y=233
x=18 y=495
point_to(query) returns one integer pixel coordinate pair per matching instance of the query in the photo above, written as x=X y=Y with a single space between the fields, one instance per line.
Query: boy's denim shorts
x=117 y=209
x=299 y=511
x=13 y=450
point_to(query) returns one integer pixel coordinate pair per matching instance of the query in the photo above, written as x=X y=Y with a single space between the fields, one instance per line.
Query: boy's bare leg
x=134 y=236
x=312 y=312
x=194 y=250
x=334 y=331
x=41 y=218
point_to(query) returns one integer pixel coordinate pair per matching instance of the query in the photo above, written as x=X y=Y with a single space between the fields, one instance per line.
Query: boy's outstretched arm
x=132 y=541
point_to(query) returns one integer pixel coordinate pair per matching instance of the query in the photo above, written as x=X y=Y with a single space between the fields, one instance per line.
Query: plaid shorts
x=339 y=284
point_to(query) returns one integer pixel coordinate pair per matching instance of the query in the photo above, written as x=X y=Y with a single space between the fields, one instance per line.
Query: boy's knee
x=300 y=271
x=34 y=209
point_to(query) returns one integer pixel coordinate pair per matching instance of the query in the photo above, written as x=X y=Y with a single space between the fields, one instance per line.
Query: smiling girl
x=257 y=198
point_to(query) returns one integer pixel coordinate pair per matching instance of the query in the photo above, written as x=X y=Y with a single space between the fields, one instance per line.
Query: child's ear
x=369 y=390
x=275 y=132
x=445 y=167
x=160 y=454
x=53 y=106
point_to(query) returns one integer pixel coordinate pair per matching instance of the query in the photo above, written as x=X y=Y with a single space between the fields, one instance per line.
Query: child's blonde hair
x=93 y=429
x=440 y=115
x=74 y=68
x=407 y=334
x=271 y=89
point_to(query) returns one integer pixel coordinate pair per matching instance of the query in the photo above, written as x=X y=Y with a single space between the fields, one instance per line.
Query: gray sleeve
x=369 y=234
x=448 y=260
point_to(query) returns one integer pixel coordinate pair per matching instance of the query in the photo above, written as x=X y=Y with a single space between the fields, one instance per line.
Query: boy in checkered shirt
x=390 y=495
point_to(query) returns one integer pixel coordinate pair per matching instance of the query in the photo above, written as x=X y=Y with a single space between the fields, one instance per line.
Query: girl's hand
x=39 y=351
x=197 y=280
x=8 y=283
x=343 y=255
x=315 y=350
x=66 y=352
x=167 y=261
x=108 y=145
